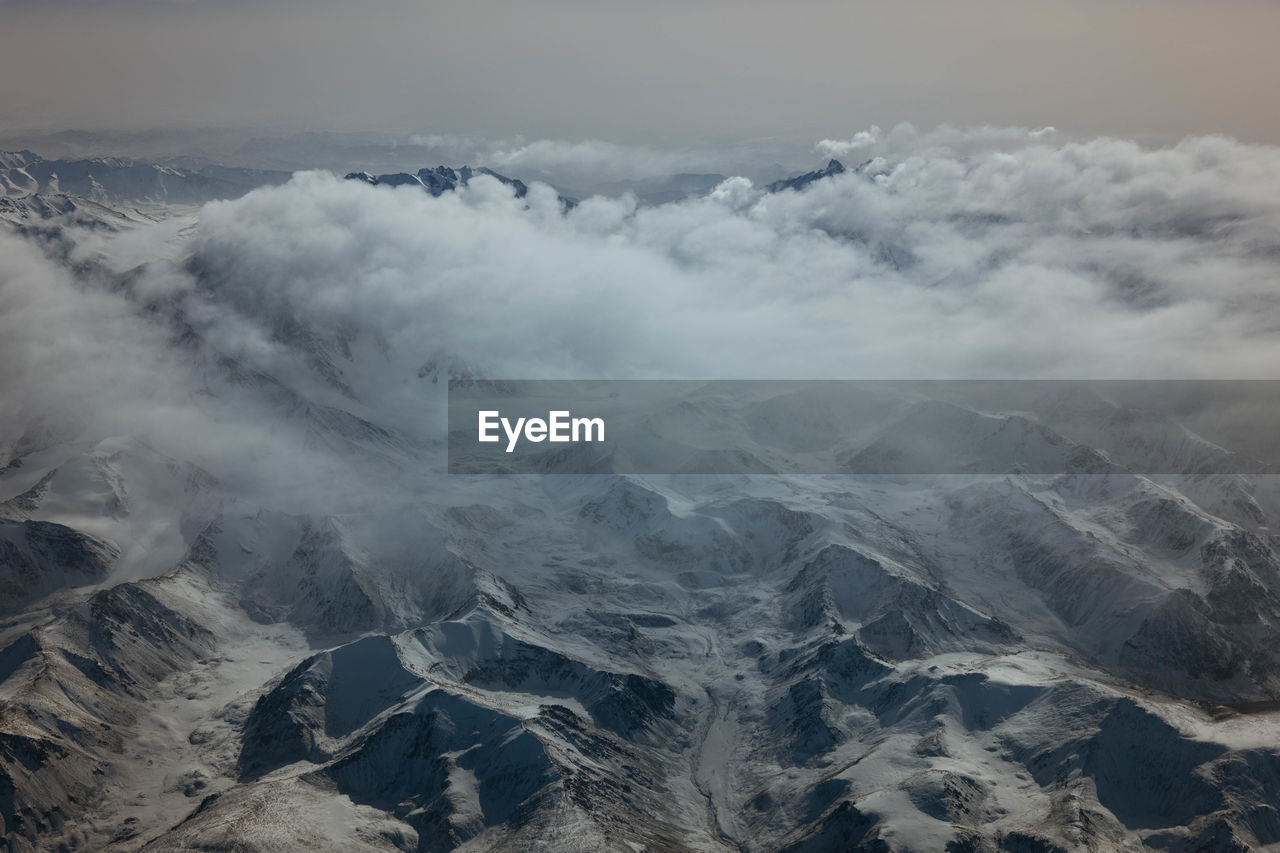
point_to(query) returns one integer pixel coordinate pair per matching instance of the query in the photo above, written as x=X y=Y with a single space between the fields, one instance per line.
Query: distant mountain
x=45 y=216
x=443 y=179
x=40 y=196
x=799 y=182
x=37 y=188
x=112 y=179
x=439 y=180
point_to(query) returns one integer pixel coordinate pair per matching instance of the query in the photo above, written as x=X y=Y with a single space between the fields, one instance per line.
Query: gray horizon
x=701 y=74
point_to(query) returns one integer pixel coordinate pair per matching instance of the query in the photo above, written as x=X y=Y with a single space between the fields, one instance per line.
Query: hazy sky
x=656 y=72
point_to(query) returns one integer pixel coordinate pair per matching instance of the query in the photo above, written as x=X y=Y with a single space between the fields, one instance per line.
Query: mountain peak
x=444 y=179
x=799 y=182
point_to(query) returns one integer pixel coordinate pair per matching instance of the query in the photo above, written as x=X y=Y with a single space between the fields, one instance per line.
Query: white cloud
x=980 y=254
x=597 y=165
x=987 y=253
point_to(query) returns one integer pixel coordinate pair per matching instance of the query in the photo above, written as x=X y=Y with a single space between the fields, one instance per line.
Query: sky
x=656 y=73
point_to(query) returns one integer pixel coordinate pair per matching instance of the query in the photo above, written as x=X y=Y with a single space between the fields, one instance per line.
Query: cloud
x=598 y=160
x=942 y=142
x=593 y=165
x=954 y=254
x=61 y=345
x=87 y=357
x=984 y=253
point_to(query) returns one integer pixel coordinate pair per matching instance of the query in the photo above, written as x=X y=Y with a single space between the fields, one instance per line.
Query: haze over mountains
x=242 y=605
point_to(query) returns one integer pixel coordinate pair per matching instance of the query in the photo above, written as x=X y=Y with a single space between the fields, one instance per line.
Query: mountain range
x=378 y=656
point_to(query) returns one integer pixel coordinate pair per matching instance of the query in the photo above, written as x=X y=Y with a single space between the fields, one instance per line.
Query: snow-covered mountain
x=42 y=198
x=444 y=179
x=799 y=182
x=112 y=179
x=438 y=180
x=334 y=645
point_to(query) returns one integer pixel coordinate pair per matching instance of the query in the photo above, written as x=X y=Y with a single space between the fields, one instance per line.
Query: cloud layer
x=952 y=254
